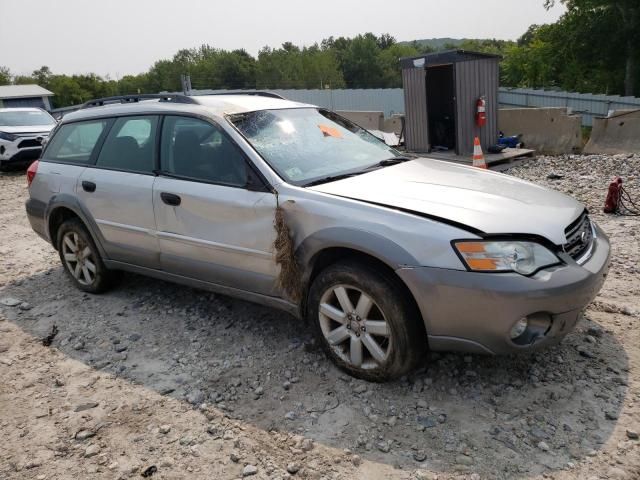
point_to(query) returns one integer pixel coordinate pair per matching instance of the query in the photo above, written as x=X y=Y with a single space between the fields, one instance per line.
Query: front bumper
x=474 y=312
x=15 y=153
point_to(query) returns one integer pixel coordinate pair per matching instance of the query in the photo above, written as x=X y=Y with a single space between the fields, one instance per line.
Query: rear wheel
x=365 y=322
x=81 y=259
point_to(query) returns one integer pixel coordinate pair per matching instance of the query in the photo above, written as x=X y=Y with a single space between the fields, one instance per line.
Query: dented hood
x=487 y=201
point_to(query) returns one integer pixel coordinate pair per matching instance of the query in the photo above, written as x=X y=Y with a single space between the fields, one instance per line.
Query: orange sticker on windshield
x=328 y=131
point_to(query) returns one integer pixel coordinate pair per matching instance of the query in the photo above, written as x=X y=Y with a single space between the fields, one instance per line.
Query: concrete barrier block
x=618 y=133
x=393 y=124
x=547 y=130
x=367 y=120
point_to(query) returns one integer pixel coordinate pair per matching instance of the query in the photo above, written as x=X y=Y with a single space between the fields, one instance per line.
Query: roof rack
x=257 y=93
x=163 y=97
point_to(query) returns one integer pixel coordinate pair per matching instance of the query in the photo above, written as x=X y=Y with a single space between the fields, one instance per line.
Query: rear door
x=214 y=223
x=118 y=190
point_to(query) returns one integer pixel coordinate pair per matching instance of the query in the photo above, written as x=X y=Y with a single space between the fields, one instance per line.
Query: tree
x=627 y=14
x=5 y=75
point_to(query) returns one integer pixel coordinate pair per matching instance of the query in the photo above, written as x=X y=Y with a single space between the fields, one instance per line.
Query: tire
x=383 y=344
x=89 y=273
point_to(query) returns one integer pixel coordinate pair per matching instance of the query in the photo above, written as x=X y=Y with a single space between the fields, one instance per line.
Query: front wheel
x=365 y=322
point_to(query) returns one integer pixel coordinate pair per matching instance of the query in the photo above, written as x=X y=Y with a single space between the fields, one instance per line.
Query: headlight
x=505 y=256
x=10 y=137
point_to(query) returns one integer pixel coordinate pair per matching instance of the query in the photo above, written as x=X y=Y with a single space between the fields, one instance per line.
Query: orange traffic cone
x=478 y=156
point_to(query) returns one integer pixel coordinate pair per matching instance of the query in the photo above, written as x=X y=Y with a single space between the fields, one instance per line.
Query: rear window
x=74 y=142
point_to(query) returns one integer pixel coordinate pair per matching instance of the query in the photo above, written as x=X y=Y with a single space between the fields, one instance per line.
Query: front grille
x=30 y=143
x=579 y=236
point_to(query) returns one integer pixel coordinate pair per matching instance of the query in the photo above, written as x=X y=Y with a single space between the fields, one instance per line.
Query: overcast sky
x=119 y=37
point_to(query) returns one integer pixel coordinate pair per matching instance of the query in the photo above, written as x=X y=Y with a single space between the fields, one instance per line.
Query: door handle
x=170 y=199
x=88 y=186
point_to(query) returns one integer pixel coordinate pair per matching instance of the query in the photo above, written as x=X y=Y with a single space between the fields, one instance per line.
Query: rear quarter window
x=75 y=142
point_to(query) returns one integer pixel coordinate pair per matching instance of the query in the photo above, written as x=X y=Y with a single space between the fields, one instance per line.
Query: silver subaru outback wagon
x=294 y=207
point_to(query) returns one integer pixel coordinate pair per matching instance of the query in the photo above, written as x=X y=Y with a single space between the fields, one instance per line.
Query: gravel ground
x=203 y=386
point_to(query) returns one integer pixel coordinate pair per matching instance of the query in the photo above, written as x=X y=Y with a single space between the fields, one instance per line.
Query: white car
x=22 y=133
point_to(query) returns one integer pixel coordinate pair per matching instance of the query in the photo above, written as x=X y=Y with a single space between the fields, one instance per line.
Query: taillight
x=31 y=172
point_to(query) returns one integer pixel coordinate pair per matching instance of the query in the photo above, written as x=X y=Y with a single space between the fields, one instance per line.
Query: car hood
x=27 y=129
x=491 y=202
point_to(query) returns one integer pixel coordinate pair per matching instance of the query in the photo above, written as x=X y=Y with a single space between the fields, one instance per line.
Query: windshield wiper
x=388 y=162
x=382 y=163
x=331 y=178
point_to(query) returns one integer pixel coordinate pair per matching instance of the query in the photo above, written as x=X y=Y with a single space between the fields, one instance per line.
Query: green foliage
x=5 y=76
x=594 y=47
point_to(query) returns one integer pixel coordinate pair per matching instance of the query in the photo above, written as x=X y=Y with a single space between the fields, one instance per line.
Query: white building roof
x=23 y=91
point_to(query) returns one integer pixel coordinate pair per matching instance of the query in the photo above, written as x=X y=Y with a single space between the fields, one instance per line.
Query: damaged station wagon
x=292 y=206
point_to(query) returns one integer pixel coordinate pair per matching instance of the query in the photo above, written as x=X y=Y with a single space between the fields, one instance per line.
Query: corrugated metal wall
x=476 y=78
x=386 y=100
x=415 y=109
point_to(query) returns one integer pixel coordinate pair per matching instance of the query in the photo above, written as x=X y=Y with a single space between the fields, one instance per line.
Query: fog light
x=519 y=327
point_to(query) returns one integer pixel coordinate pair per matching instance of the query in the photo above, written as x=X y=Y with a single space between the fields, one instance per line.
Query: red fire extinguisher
x=481 y=112
x=612 y=203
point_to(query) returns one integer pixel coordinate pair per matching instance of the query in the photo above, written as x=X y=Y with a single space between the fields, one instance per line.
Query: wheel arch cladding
x=62 y=208
x=326 y=247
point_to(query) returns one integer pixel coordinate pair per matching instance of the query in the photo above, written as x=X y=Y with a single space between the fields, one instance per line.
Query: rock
x=196 y=397
x=286 y=385
x=85 y=406
x=422 y=404
x=24 y=306
x=249 y=470
x=419 y=456
x=290 y=415
x=293 y=468
x=463 y=459
x=632 y=435
x=356 y=460
x=91 y=451
x=543 y=446
x=616 y=473
x=595 y=330
x=164 y=429
x=384 y=447
x=78 y=345
x=10 y=301
x=306 y=445
x=84 y=434
x=585 y=352
x=235 y=457
x=259 y=391
x=120 y=348
x=360 y=388
x=134 y=337
x=427 y=421
x=611 y=415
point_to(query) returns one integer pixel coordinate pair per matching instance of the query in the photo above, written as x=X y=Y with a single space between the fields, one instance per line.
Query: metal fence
x=585 y=104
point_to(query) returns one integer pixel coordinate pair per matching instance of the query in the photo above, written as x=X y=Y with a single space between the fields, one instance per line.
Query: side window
x=130 y=145
x=197 y=149
x=74 y=142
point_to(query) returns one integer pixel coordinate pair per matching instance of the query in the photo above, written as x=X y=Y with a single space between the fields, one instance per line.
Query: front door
x=118 y=190
x=212 y=225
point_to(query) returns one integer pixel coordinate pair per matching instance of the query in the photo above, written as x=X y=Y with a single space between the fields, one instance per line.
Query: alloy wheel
x=355 y=327
x=79 y=258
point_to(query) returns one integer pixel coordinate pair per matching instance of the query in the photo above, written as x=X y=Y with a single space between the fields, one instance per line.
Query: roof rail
x=163 y=97
x=257 y=93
